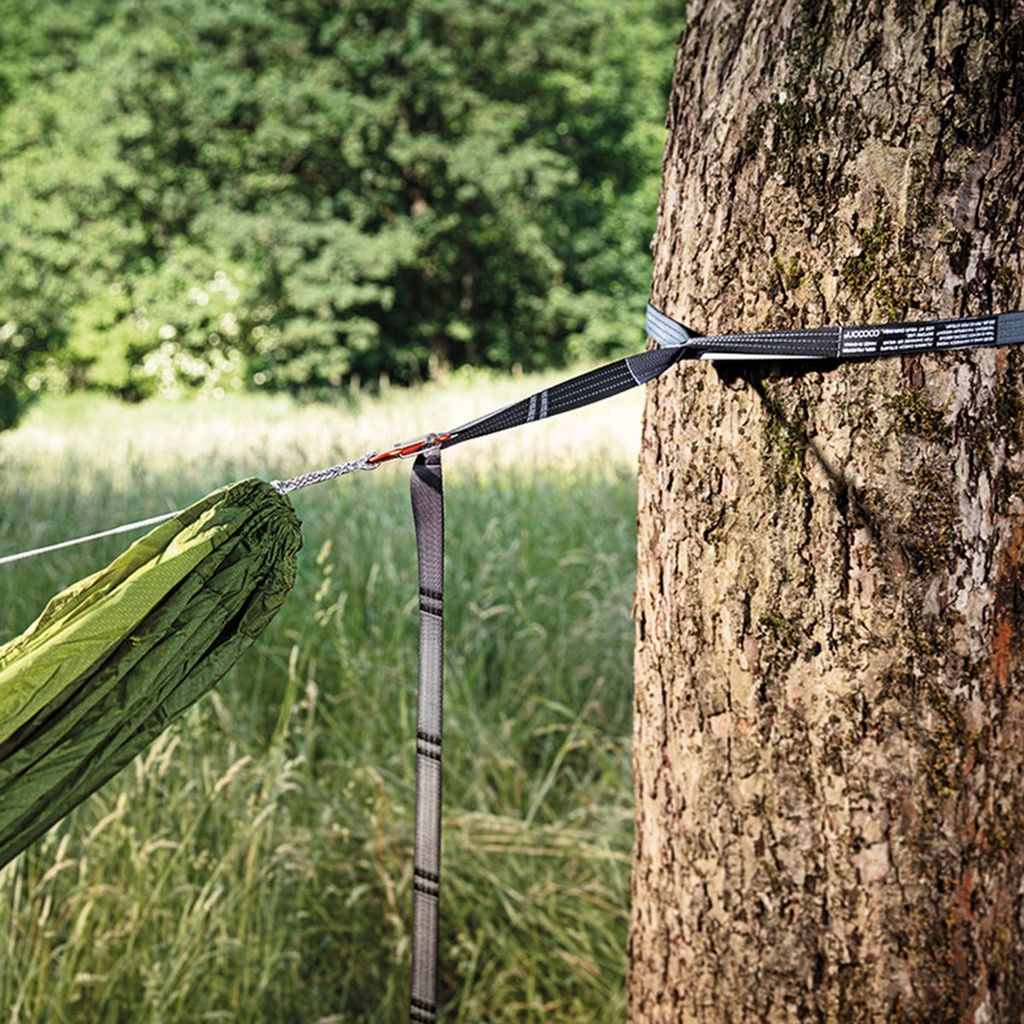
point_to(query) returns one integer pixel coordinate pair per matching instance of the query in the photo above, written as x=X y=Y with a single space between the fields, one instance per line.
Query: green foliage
x=40 y=40
x=392 y=186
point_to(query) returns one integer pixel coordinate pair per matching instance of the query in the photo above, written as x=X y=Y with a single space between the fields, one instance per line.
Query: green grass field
x=256 y=863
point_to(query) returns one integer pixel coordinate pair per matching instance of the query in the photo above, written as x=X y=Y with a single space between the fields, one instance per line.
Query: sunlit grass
x=256 y=862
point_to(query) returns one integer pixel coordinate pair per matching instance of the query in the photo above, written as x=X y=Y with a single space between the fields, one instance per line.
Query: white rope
x=282 y=487
x=125 y=528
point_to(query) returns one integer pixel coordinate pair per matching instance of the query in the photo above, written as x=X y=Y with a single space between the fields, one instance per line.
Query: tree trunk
x=829 y=740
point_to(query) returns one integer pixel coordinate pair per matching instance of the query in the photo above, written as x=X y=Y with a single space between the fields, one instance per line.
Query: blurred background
x=289 y=195
x=245 y=237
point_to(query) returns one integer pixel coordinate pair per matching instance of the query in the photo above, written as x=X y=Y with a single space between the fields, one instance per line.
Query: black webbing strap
x=829 y=344
x=575 y=393
x=859 y=342
x=428 y=513
x=677 y=342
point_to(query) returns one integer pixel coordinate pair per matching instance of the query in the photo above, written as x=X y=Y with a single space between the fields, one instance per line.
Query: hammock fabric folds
x=114 y=659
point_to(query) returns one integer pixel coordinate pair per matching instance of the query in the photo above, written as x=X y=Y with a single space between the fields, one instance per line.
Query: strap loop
x=428 y=513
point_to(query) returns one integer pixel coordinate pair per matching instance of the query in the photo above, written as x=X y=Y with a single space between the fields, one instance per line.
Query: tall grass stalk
x=256 y=862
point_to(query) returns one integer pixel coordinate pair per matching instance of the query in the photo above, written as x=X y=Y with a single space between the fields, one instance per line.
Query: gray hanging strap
x=428 y=513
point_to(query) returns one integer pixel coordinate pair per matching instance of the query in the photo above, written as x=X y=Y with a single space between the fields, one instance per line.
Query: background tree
x=829 y=744
x=296 y=195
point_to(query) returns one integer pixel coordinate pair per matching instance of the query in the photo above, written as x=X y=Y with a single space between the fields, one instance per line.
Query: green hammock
x=114 y=659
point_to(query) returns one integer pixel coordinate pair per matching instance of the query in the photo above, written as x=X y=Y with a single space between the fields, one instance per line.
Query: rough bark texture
x=829 y=746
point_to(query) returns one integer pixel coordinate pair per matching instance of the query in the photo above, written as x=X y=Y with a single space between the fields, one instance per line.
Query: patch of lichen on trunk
x=925 y=524
x=883 y=267
x=786 y=451
x=1004 y=832
x=924 y=529
x=779 y=642
x=914 y=413
x=934 y=718
x=783 y=130
x=931 y=531
x=1006 y=426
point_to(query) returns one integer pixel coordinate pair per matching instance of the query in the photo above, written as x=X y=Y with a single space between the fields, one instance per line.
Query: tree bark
x=829 y=737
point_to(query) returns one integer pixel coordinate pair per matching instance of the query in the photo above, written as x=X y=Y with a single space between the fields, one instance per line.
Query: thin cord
x=125 y=528
x=281 y=486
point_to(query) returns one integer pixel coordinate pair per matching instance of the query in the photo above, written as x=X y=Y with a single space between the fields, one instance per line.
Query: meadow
x=255 y=863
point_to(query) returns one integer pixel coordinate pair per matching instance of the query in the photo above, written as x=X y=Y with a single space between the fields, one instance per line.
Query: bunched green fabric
x=118 y=656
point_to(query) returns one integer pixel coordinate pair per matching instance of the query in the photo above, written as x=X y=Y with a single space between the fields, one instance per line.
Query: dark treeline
x=297 y=194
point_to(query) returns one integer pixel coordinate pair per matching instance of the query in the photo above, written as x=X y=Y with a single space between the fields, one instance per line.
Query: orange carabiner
x=406 y=449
